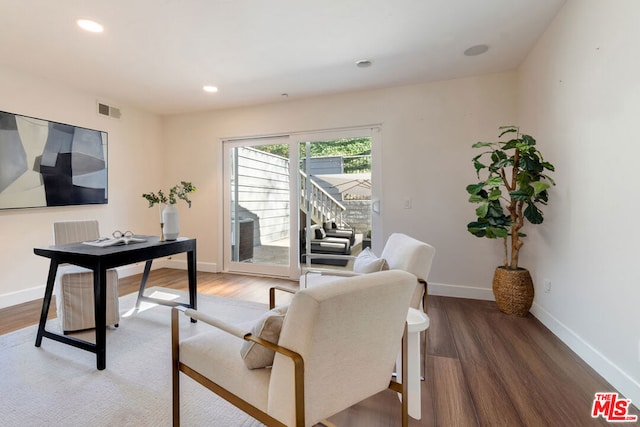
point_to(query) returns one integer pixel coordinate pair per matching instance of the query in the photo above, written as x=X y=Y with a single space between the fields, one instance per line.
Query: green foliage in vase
x=177 y=192
x=513 y=188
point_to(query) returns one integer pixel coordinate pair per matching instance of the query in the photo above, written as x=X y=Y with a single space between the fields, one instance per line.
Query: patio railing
x=322 y=207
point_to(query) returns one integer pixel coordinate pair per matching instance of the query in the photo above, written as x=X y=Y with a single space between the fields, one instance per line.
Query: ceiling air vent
x=109 y=111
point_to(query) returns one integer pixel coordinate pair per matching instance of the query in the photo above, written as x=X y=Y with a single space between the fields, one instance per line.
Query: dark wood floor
x=483 y=368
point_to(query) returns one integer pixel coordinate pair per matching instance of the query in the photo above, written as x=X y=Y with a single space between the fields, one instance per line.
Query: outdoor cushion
x=320 y=233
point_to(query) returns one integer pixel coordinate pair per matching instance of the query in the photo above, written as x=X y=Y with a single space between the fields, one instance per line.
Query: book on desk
x=104 y=242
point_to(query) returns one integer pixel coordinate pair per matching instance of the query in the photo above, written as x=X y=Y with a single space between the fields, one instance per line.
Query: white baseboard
x=37 y=292
x=619 y=379
x=456 y=291
x=207 y=267
x=19 y=297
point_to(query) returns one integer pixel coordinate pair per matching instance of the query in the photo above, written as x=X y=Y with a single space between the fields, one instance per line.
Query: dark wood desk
x=100 y=260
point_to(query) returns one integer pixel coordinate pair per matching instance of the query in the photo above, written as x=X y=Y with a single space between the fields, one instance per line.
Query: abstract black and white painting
x=45 y=163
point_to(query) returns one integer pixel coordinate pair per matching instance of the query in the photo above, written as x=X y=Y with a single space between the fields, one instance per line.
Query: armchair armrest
x=272 y=294
x=217 y=323
x=340 y=273
x=327 y=272
x=329 y=256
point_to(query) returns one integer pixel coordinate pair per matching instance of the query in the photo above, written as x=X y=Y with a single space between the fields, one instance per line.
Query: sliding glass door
x=258 y=206
x=276 y=188
x=336 y=192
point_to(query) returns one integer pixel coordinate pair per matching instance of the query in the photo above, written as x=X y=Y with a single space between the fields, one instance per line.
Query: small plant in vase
x=169 y=215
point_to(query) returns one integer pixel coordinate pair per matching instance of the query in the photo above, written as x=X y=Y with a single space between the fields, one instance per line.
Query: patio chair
x=322 y=243
x=337 y=346
x=331 y=229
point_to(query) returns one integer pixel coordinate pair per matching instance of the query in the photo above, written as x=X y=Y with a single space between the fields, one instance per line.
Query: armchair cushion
x=214 y=354
x=268 y=328
x=368 y=262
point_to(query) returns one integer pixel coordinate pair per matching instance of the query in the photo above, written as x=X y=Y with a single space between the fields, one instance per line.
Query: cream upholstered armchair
x=337 y=346
x=401 y=252
x=74 y=285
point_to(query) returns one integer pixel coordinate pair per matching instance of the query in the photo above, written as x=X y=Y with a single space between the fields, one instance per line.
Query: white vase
x=171 y=227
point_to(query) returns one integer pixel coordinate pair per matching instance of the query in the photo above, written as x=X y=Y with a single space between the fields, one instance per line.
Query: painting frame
x=44 y=163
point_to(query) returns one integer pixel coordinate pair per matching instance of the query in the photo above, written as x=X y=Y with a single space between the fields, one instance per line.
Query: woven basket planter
x=513 y=290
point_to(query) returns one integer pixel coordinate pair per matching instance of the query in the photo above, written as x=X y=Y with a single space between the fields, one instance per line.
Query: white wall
x=135 y=162
x=427 y=132
x=579 y=94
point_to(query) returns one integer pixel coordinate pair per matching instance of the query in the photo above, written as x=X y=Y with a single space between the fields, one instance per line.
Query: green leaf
x=494 y=181
x=495 y=194
x=477 y=228
x=511 y=144
x=523 y=179
x=522 y=195
x=478 y=166
x=539 y=187
x=475 y=188
x=498 y=155
x=502 y=164
x=528 y=139
x=496 y=233
x=542 y=197
x=477 y=224
x=477 y=199
x=501 y=221
x=507 y=129
x=530 y=163
x=548 y=166
x=480 y=144
x=495 y=210
x=477 y=232
x=533 y=214
x=482 y=210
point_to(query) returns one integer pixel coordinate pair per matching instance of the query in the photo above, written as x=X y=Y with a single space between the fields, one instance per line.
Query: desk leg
x=143 y=282
x=193 y=291
x=100 y=312
x=53 y=269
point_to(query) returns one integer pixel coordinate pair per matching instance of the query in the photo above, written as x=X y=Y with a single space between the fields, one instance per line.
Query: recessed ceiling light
x=210 y=89
x=476 y=50
x=363 y=63
x=89 y=25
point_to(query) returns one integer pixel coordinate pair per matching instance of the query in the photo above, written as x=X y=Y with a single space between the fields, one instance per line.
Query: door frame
x=293 y=271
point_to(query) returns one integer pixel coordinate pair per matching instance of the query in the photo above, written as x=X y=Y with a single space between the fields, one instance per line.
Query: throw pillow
x=368 y=262
x=268 y=328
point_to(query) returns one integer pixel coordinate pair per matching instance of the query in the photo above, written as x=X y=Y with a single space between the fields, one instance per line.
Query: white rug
x=59 y=385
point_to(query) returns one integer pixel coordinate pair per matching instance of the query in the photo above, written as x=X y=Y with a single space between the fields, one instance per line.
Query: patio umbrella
x=355 y=184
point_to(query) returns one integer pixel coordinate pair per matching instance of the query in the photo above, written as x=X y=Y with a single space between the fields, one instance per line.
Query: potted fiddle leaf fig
x=513 y=185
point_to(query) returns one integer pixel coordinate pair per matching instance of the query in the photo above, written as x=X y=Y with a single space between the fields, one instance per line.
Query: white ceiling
x=157 y=54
